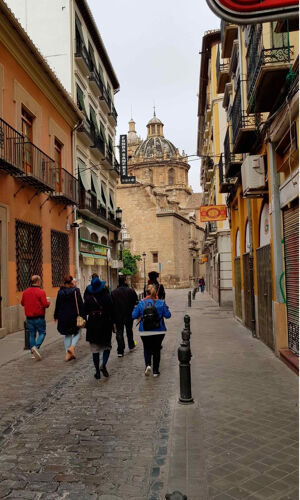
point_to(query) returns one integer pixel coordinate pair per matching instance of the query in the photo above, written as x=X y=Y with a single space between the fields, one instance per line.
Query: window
x=27 y=126
x=28 y=253
x=58 y=164
x=152 y=129
x=59 y=257
x=154 y=257
x=171 y=175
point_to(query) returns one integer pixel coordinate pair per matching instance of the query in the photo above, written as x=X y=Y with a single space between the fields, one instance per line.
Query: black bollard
x=190 y=299
x=26 y=337
x=187 y=323
x=184 y=357
x=176 y=495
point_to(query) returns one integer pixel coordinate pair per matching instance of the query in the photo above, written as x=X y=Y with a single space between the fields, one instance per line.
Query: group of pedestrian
x=101 y=313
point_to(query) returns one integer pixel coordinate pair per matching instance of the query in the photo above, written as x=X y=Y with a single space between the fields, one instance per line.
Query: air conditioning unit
x=253 y=176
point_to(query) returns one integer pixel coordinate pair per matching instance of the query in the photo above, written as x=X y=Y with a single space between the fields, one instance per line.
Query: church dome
x=160 y=145
x=155 y=145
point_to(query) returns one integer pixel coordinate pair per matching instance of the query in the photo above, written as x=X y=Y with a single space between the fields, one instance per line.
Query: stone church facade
x=160 y=212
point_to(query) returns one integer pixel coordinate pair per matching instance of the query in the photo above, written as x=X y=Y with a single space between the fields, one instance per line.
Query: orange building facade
x=37 y=189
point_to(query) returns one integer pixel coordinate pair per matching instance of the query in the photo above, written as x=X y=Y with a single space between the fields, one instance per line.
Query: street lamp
x=144 y=260
x=119 y=215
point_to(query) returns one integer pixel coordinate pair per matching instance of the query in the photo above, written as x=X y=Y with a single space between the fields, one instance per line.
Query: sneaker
x=156 y=374
x=104 y=371
x=132 y=349
x=120 y=355
x=148 y=371
x=36 y=353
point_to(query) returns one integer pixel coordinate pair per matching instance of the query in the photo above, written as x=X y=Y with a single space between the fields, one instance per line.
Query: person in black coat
x=161 y=294
x=68 y=306
x=99 y=311
x=124 y=299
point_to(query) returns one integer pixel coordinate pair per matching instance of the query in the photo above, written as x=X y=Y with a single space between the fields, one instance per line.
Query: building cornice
x=21 y=47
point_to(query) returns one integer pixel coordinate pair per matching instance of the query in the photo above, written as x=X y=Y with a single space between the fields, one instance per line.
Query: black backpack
x=151 y=320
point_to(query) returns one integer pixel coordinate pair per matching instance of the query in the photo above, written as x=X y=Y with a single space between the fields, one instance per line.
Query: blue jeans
x=36 y=325
x=202 y=288
x=71 y=340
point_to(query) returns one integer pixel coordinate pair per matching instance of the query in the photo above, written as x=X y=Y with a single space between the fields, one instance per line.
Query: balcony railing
x=254 y=48
x=113 y=114
x=38 y=168
x=222 y=69
x=96 y=82
x=245 y=126
x=266 y=57
x=98 y=142
x=90 y=202
x=82 y=54
x=66 y=187
x=116 y=166
x=11 y=149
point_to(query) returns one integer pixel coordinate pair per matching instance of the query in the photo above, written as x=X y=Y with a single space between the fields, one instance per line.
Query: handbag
x=80 y=322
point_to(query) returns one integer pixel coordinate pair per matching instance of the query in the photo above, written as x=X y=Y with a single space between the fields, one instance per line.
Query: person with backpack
x=160 y=291
x=98 y=308
x=151 y=311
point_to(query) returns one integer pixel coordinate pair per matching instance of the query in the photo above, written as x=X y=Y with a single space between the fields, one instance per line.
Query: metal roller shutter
x=291 y=252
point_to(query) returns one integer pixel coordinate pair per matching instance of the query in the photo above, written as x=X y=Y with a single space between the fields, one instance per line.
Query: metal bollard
x=184 y=357
x=187 y=323
x=195 y=290
x=190 y=299
x=176 y=495
x=26 y=337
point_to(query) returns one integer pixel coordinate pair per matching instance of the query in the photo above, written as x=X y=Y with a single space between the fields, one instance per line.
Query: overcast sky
x=154 y=49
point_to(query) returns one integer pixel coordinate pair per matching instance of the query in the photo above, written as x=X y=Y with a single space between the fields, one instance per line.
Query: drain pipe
x=76 y=229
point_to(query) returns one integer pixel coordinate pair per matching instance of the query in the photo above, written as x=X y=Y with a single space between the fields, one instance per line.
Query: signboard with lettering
x=254 y=11
x=128 y=180
x=123 y=155
x=209 y=213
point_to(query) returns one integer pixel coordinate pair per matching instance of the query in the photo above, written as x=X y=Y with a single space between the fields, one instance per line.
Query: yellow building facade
x=257 y=68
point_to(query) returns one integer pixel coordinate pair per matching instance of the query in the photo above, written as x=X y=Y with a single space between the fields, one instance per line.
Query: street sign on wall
x=210 y=213
x=253 y=11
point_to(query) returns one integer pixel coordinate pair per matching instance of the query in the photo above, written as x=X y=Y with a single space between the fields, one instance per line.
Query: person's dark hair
x=68 y=279
x=95 y=275
x=122 y=280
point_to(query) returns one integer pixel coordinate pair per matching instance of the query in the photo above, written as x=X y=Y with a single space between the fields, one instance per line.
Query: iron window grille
x=59 y=257
x=29 y=257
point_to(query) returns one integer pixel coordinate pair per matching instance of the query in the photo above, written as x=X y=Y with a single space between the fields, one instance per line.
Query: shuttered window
x=291 y=253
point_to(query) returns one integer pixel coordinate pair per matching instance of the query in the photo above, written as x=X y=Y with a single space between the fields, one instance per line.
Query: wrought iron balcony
x=266 y=77
x=89 y=203
x=85 y=132
x=105 y=101
x=82 y=57
x=96 y=83
x=229 y=32
x=11 y=149
x=224 y=187
x=113 y=115
x=222 y=73
x=38 y=168
x=232 y=161
x=66 y=189
x=98 y=144
x=244 y=126
x=116 y=166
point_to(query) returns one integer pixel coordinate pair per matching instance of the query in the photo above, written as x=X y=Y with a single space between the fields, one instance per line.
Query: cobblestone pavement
x=65 y=435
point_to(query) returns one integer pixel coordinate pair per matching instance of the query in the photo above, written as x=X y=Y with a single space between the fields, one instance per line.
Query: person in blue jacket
x=151 y=312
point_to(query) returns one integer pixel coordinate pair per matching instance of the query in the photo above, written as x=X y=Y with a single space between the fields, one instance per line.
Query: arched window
x=171 y=176
x=237 y=244
x=94 y=237
x=84 y=233
x=264 y=226
x=103 y=240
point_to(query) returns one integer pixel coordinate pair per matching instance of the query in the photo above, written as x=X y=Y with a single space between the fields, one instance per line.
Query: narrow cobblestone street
x=66 y=435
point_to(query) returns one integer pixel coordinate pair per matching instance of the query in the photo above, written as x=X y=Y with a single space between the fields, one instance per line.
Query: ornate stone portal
x=160 y=211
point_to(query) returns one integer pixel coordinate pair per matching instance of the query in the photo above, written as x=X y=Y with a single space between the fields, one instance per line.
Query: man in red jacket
x=35 y=302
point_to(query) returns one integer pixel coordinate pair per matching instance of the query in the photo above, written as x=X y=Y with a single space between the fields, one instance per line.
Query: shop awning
x=96 y=185
x=85 y=175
